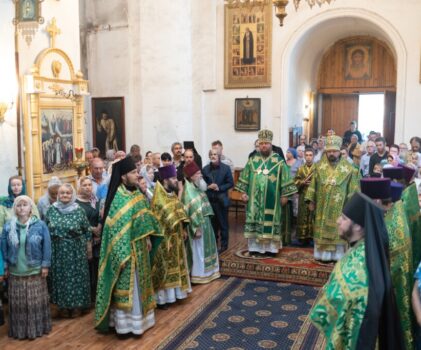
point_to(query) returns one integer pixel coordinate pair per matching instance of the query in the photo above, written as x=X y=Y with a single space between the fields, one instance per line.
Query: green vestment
x=330 y=187
x=412 y=211
x=305 y=218
x=339 y=312
x=171 y=262
x=400 y=251
x=199 y=211
x=124 y=252
x=265 y=180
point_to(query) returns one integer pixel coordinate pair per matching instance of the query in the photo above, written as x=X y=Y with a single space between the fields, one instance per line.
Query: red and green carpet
x=291 y=265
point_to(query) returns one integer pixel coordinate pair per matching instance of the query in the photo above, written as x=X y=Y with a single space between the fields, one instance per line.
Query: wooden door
x=338 y=111
x=389 y=116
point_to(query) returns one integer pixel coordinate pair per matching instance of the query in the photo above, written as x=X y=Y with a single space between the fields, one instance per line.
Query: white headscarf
x=68 y=207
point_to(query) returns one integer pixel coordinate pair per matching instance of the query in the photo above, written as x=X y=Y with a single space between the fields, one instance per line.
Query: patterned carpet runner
x=291 y=265
x=250 y=314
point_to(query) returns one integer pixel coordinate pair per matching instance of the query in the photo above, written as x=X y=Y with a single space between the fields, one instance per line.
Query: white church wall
x=297 y=50
x=170 y=60
x=67 y=16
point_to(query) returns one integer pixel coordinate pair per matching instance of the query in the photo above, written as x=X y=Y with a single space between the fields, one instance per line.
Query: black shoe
x=162 y=306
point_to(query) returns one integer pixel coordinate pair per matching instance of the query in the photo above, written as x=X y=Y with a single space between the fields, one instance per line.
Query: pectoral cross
x=53 y=31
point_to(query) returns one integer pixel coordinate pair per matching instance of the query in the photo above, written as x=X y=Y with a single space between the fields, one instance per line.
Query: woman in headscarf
x=26 y=249
x=292 y=161
x=70 y=233
x=15 y=188
x=89 y=203
x=148 y=174
x=49 y=197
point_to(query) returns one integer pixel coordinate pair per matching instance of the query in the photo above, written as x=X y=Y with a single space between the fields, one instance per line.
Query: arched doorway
x=305 y=48
x=357 y=81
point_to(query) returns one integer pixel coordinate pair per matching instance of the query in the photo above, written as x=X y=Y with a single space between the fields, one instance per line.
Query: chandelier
x=280 y=7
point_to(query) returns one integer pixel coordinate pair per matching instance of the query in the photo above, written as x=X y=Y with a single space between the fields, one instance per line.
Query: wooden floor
x=79 y=333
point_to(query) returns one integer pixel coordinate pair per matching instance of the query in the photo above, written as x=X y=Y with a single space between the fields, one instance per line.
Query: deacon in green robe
x=205 y=267
x=357 y=308
x=171 y=276
x=333 y=182
x=266 y=185
x=305 y=218
x=388 y=193
x=125 y=296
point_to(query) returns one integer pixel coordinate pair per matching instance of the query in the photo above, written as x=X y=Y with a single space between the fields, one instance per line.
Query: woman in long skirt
x=70 y=237
x=26 y=250
x=90 y=204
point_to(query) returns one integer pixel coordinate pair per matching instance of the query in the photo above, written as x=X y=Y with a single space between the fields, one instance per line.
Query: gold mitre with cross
x=333 y=143
x=265 y=135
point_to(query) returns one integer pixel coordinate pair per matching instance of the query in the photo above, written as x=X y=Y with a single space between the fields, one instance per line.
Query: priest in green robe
x=333 y=182
x=171 y=276
x=205 y=266
x=412 y=211
x=125 y=296
x=388 y=193
x=305 y=217
x=357 y=308
x=265 y=184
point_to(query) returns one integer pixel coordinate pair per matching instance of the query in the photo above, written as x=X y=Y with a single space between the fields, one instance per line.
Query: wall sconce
x=4 y=107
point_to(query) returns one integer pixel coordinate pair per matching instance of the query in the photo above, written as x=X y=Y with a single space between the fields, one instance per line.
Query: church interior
x=78 y=76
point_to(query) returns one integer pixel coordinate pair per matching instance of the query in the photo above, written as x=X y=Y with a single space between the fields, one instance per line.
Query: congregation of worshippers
x=142 y=228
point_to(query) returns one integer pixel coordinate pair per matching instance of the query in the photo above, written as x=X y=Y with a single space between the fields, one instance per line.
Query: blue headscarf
x=293 y=151
x=7 y=201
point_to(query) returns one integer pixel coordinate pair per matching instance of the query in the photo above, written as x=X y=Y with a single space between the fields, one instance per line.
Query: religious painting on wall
x=358 y=61
x=248 y=44
x=28 y=11
x=247 y=114
x=56 y=139
x=108 y=124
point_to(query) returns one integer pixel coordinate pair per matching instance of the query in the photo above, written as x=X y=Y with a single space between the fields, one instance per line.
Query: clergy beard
x=266 y=153
x=131 y=188
x=171 y=187
x=346 y=235
x=332 y=159
x=201 y=184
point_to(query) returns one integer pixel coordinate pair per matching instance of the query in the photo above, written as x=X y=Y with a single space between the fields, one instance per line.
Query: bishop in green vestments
x=125 y=296
x=266 y=185
x=357 y=308
x=205 y=267
x=333 y=182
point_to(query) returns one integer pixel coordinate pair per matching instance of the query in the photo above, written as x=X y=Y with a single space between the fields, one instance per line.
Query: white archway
x=309 y=41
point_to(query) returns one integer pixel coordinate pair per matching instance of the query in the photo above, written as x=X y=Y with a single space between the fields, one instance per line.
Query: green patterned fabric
x=123 y=253
x=305 y=219
x=330 y=187
x=199 y=212
x=400 y=250
x=412 y=210
x=339 y=312
x=69 y=272
x=171 y=261
x=265 y=180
